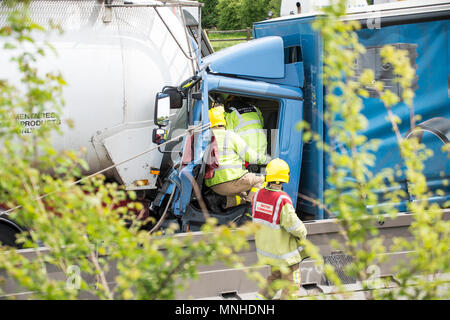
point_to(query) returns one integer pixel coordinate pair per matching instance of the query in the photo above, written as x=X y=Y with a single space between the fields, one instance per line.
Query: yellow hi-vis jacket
x=233 y=151
x=278 y=240
x=248 y=123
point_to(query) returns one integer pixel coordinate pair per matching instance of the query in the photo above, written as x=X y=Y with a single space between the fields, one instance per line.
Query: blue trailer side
x=428 y=44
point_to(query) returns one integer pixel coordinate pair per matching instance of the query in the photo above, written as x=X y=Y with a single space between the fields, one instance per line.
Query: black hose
x=163 y=217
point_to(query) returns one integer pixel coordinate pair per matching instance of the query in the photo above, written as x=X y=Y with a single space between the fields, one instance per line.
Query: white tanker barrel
x=114 y=71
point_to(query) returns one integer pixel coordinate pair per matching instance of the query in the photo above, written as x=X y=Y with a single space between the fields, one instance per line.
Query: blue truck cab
x=280 y=71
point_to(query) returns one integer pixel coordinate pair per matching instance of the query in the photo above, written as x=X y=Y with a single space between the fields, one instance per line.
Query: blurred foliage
x=90 y=233
x=86 y=228
x=353 y=183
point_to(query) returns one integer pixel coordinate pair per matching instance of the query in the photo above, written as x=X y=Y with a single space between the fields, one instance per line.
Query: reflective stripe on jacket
x=277 y=240
x=233 y=151
x=248 y=123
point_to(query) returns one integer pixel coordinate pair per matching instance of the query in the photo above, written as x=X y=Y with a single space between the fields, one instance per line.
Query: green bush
x=239 y=14
x=209 y=14
x=83 y=226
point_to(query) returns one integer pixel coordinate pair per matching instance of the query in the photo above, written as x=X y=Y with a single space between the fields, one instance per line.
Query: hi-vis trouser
x=293 y=276
x=239 y=190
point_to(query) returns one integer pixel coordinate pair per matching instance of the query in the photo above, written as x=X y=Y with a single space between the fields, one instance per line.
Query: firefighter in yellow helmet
x=247 y=121
x=231 y=179
x=278 y=240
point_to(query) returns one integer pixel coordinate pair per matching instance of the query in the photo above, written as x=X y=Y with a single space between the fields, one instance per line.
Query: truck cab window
x=269 y=110
x=292 y=54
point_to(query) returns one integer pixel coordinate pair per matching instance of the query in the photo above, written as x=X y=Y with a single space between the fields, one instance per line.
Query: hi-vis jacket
x=248 y=123
x=278 y=239
x=233 y=151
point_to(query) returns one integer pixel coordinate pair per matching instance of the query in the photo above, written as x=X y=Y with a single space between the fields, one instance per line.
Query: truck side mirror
x=176 y=97
x=159 y=135
x=162 y=109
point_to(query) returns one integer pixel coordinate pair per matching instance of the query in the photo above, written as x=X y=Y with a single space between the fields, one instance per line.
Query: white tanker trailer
x=115 y=58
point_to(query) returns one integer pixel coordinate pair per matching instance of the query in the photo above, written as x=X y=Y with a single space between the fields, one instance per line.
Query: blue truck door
x=290 y=144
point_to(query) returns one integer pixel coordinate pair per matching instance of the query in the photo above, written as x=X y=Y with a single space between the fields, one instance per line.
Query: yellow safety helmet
x=277 y=170
x=217 y=116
